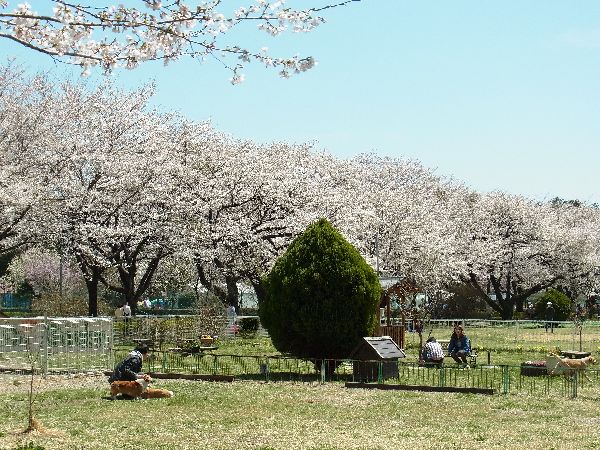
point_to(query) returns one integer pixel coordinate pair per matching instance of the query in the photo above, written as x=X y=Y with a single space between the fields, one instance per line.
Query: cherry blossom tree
x=98 y=175
x=56 y=282
x=251 y=201
x=515 y=247
x=125 y=36
x=399 y=213
x=577 y=237
x=24 y=168
x=30 y=128
x=115 y=195
x=48 y=273
x=436 y=233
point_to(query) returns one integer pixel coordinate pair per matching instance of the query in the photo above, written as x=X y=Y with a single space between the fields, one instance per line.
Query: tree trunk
x=505 y=304
x=208 y=284
x=507 y=310
x=233 y=293
x=519 y=299
x=127 y=288
x=91 y=275
x=519 y=302
x=128 y=271
x=259 y=290
x=92 y=288
x=228 y=293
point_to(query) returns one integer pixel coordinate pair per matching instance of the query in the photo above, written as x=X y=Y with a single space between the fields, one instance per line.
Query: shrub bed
x=533 y=368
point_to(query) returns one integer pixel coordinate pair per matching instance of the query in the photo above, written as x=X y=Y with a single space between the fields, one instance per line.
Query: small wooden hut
x=404 y=291
x=374 y=353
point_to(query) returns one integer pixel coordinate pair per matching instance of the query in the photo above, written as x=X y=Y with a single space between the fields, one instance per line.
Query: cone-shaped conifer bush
x=322 y=296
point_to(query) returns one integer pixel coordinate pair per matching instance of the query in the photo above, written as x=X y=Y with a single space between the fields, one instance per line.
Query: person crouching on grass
x=459 y=347
x=432 y=352
x=129 y=369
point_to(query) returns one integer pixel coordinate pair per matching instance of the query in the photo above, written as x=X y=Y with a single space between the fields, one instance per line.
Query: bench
x=471 y=357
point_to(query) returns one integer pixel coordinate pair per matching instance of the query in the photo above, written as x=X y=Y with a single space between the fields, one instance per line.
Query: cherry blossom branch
x=161 y=34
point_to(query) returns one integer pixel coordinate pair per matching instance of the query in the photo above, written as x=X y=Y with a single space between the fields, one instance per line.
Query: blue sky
x=500 y=95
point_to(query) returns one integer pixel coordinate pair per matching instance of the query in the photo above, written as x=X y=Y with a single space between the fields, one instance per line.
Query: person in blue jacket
x=459 y=347
x=129 y=369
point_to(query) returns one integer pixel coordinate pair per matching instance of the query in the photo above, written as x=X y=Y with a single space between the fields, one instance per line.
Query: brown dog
x=133 y=389
x=580 y=363
x=568 y=366
x=157 y=393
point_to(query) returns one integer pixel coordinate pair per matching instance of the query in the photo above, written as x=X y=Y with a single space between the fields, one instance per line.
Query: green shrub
x=321 y=296
x=248 y=326
x=561 y=303
x=185 y=300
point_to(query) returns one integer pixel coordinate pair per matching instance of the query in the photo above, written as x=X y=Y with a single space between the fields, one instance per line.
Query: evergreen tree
x=322 y=296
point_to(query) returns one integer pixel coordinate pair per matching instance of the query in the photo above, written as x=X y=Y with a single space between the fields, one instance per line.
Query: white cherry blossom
x=111 y=36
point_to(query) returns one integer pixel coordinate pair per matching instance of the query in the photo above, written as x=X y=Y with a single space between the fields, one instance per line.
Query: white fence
x=56 y=344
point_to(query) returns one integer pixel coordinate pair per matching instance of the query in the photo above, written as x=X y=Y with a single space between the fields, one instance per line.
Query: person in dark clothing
x=129 y=369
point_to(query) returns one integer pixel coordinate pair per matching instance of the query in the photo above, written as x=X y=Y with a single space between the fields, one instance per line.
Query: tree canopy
x=124 y=192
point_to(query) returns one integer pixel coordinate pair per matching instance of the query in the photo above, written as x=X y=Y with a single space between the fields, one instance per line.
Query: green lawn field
x=250 y=413
x=280 y=415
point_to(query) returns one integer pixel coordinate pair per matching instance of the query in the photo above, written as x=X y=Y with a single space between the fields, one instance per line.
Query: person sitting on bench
x=459 y=347
x=432 y=352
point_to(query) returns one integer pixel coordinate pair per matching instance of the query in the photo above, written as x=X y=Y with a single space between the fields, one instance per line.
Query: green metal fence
x=503 y=379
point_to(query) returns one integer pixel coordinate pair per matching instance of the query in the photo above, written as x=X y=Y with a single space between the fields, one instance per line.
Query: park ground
x=282 y=415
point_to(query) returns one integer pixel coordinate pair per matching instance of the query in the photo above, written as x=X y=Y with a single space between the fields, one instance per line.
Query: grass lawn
x=306 y=415
x=255 y=415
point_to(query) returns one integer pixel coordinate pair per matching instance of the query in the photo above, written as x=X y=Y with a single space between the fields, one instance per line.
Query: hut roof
x=382 y=347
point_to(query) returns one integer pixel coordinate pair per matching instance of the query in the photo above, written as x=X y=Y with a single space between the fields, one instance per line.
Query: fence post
x=111 y=345
x=44 y=339
x=323 y=370
x=574 y=382
x=263 y=365
x=380 y=372
x=505 y=379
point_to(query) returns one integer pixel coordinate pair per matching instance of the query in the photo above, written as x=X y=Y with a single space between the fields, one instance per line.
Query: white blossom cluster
x=123 y=36
x=128 y=193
